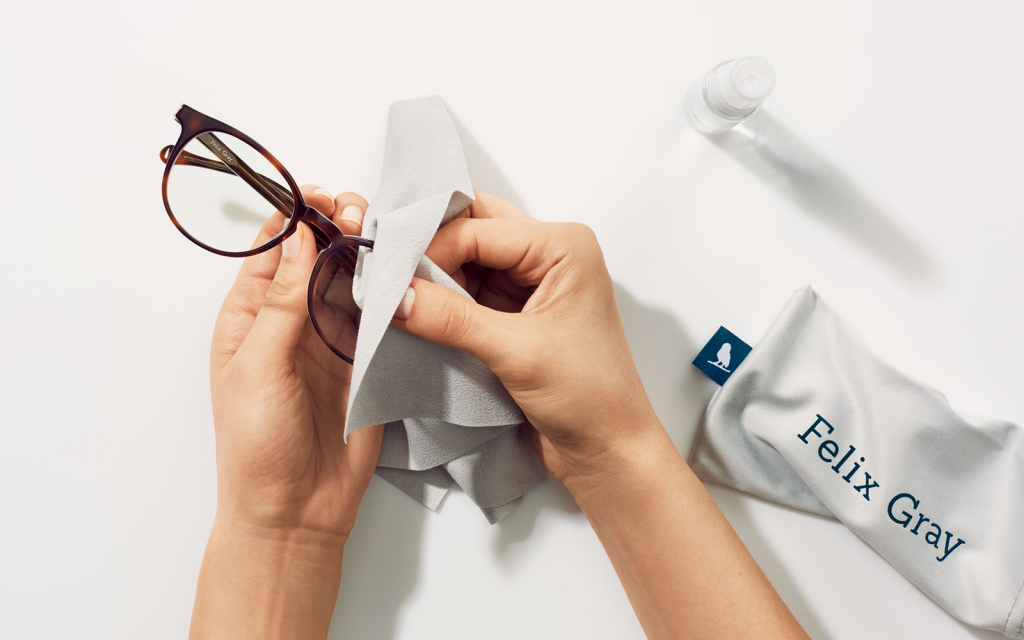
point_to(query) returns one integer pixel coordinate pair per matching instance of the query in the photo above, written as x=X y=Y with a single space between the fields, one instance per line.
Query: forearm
x=260 y=585
x=684 y=569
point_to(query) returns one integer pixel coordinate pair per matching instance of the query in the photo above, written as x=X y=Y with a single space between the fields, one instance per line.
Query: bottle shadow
x=766 y=148
x=382 y=562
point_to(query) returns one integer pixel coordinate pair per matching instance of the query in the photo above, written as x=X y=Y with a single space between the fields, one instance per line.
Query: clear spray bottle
x=728 y=94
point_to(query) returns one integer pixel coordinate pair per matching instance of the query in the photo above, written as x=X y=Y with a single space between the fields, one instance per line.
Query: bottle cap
x=738 y=87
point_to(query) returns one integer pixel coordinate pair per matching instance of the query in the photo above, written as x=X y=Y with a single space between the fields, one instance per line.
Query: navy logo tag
x=721 y=355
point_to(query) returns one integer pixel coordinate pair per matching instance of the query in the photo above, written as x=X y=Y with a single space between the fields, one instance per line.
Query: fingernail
x=292 y=244
x=353 y=213
x=405 y=306
x=323 y=192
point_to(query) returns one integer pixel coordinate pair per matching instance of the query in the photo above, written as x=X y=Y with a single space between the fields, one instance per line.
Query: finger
x=364 y=446
x=349 y=209
x=488 y=206
x=497 y=291
x=246 y=295
x=319 y=198
x=526 y=248
x=459 y=276
x=444 y=317
x=283 y=316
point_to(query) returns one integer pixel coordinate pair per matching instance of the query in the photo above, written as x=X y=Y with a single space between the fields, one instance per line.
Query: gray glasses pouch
x=813 y=420
x=449 y=420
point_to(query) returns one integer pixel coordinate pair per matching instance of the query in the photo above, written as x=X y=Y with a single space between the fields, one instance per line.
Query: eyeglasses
x=221 y=188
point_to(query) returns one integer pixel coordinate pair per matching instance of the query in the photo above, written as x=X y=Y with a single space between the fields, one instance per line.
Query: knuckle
x=453 y=320
x=281 y=294
x=585 y=242
x=582 y=232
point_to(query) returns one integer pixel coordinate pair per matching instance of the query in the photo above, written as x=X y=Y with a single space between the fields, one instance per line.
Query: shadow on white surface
x=732 y=505
x=981 y=634
x=382 y=564
x=517 y=527
x=483 y=170
x=782 y=160
x=662 y=350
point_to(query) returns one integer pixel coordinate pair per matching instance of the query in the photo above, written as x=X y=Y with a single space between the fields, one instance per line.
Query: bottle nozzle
x=738 y=87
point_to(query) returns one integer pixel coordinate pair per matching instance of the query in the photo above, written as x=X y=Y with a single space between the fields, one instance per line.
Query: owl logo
x=724 y=355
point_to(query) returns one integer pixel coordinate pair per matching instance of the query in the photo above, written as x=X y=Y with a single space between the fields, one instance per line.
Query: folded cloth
x=812 y=419
x=449 y=420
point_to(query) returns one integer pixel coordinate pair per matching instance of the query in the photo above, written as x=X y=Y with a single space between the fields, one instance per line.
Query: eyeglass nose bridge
x=324 y=229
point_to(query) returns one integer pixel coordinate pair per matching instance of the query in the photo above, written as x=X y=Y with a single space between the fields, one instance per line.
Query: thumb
x=282 y=318
x=444 y=317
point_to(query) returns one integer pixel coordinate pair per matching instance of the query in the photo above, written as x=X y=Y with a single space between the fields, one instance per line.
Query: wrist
x=259 y=582
x=627 y=470
x=276 y=542
x=265 y=524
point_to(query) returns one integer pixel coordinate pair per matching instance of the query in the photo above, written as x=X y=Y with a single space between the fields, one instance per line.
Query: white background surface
x=572 y=112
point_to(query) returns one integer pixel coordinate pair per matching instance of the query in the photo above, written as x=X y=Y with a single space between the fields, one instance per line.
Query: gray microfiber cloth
x=448 y=419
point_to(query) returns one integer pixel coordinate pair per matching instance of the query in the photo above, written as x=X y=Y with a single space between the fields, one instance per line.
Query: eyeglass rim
x=194 y=123
x=321 y=260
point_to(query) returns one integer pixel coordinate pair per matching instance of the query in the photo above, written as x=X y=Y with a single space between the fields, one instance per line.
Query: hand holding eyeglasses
x=220 y=187
x=545 y=321
x=280 y=395
x=288 y=486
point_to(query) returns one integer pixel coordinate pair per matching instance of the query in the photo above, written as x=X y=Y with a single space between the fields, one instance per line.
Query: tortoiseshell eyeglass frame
x=287 y=199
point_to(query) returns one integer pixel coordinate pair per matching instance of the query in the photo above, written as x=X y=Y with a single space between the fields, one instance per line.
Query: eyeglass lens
x=216 y=205
x=334 y=308
x=222 y=191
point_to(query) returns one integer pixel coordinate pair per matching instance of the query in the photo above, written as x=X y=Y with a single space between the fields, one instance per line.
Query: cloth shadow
x=382 y=561
x=483 y=170
x=783 y=161
x=518 y=525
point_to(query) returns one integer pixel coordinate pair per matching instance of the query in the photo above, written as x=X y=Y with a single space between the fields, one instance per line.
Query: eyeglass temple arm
x=245 y=172
x=191 y=159
x=233 y=164
x=274 y=193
